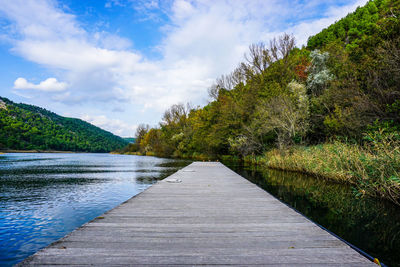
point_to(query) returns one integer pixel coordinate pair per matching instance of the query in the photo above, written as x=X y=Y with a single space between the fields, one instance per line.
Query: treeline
x=344 y=85
x=28 y=127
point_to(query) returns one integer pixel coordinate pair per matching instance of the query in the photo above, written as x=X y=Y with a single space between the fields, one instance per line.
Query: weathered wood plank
x=190 y=252
x=212 y=217
x=194 y=260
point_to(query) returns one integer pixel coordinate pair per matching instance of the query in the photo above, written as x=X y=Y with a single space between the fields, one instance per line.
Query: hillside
x=344 y=83
x=28 y=127
x=330 y=109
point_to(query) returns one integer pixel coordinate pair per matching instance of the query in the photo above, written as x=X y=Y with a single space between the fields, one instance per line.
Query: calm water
x=45 y=196
x=370 y=224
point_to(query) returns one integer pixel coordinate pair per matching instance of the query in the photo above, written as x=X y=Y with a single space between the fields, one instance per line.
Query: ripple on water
x=45 y=196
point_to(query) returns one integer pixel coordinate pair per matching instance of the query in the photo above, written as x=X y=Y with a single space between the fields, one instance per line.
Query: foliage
x=339 y=86
x=319 y=75
x=27 y=127
x=284 y=117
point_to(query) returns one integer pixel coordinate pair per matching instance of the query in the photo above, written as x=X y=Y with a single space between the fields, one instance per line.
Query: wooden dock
x=204 y=214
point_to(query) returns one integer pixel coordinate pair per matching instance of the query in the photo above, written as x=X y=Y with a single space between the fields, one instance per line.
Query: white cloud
x=202 y=40
x=48 y=85
x=111 y=3
x=115 y=126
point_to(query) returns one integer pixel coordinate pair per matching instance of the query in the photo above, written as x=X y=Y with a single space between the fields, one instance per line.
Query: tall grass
x=373 y=169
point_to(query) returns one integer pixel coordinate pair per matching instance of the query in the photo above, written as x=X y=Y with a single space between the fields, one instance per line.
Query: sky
x=119 y=63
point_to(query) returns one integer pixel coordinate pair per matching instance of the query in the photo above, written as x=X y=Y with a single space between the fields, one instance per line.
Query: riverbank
x=373 y=170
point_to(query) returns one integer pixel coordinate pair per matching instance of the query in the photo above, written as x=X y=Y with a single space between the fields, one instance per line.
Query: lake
x=44 y=196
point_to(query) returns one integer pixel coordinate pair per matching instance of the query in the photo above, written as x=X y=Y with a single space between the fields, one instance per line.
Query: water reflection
x=45 y=196
x=370 y=224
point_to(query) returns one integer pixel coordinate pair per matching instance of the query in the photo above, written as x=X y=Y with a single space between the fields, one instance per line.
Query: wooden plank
x=104 y=259
x=212 y=217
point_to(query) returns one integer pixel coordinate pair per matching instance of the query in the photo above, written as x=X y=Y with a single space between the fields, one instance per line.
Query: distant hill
x=28 y=127
x=130 y=139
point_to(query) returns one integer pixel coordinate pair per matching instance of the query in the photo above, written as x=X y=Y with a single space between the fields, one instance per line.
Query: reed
x=373 y=169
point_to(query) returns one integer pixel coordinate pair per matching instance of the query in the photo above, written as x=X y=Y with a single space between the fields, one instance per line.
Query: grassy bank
x=373 y=169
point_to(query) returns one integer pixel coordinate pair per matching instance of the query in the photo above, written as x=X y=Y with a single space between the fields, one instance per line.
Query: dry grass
x=374 y=169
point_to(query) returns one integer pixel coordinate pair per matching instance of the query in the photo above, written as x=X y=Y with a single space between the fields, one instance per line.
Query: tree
x=319 y=75
x=285 y=115
x=141 y=131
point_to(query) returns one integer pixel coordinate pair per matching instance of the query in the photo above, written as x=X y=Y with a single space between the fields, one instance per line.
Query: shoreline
x=37 y=151
x=372 y=172
x=336 y=162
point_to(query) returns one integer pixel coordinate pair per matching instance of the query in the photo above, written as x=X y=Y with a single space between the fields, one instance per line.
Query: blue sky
x=119 y=63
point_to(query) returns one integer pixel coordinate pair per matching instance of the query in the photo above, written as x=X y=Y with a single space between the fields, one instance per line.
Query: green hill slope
x=27 y=127
x=368 y=26
x=343 y=85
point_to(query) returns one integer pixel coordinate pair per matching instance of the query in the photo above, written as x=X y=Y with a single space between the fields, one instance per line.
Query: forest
x=28 y=127
x=330 y=108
